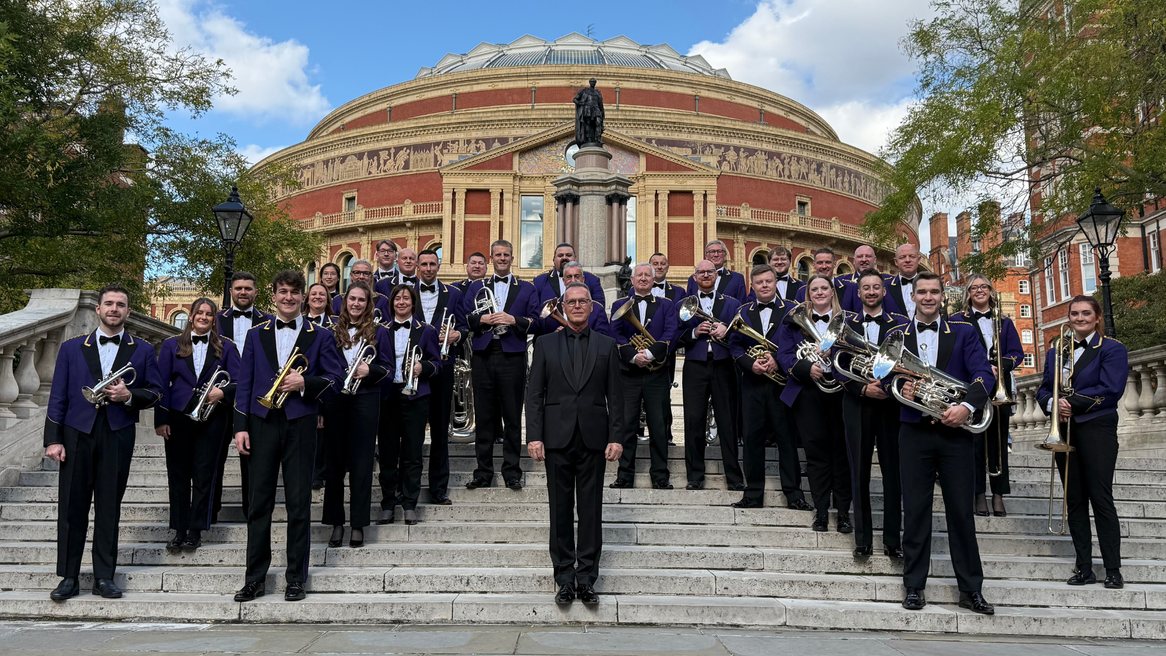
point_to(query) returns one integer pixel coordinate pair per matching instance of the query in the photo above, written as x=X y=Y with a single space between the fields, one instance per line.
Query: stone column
x=1160 y=392
x=662 y=220
x=496 y=215
x=697 y=223
x=710 y=220
x=26 y=379
x=46 y=364
x=452 y=249
x=9 y=390
x=459 y=220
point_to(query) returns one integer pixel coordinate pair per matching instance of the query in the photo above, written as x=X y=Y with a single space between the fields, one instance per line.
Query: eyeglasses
x=575 y=302
x=716 y=251
x=980 y=288
x=361 y=273
x=705 y=272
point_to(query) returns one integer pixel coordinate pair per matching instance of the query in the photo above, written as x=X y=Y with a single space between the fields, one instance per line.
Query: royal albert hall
x=465 y=153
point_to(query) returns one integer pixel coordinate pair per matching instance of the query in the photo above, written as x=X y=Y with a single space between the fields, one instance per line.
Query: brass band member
x=353 y=417
x=927 y=448
x=330 y=277
x=661 y=287
x=823 y=440
x=729 y=283
x=187 y=364
x=980 y=310
x=708 y=372
x=1089 y=415
x=597 y=321
x=386 y=264
x=871 y=418
x=318 y=308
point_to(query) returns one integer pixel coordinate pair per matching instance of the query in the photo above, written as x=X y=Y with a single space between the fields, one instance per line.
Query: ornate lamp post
x=233 y=220
x=1100 y=224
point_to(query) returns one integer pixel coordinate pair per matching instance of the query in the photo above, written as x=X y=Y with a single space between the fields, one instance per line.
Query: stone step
x=753 y=612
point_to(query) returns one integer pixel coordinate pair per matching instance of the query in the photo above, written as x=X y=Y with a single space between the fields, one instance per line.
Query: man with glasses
x=597 y=320
x=386 y=262
x=729 y=283
x=362 y=272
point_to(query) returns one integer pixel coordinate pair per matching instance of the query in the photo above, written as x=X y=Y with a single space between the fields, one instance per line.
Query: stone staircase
x=670 y=557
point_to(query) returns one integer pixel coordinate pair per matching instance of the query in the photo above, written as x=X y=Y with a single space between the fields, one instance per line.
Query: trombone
x=274 y=399
x=642 y=341
x=96 y=394
x=365 y=353
x=1056 y=442
x=1000 y=395
x=202 y=410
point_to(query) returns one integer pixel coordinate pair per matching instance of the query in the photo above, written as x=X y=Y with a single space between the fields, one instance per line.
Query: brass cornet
x=446 y=328
x=411 y=381
x=96 y=394
x=365 y=353
x=202 y=410
x=642 y=341
x=275 y=399
x=1056 y=442
x=690 y=307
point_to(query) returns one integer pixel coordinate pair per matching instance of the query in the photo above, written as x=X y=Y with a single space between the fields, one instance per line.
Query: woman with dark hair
x=399 y=440
x=353 y=417
x=1096 y=374
x=318 y=307
x=187 y=364
x=330 y=277
x=818 y=414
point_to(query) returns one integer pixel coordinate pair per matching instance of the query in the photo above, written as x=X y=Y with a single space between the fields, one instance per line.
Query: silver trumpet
x=866 y=359
x=365 y=353
x=96 y=394
x=446 y=329
x=411 y=382
x=486 y=303
x=202 y=410
x=811 y=349
x=935 y=390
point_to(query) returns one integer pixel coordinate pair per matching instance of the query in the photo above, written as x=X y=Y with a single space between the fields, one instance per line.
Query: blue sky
x=295 y=61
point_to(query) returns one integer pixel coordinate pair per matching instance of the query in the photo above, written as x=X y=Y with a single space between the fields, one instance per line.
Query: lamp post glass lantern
x=233 y=220
x=1100 y=223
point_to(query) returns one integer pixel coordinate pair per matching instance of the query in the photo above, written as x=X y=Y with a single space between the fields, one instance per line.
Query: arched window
x=843 y=269
x=345 y=271
x=311 y=273
x=180 y=319
x=761 y=257
x=804 y=269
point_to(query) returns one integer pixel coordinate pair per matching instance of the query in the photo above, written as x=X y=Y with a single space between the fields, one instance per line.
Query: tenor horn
x=644 y=339
x=811 y=349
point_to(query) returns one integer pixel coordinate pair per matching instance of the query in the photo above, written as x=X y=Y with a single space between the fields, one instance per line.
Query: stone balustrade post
x=46 y=364
x=27 y=380
x=1146 y=394
x=1160 y=392
x=1129 y=409
x=9 y=390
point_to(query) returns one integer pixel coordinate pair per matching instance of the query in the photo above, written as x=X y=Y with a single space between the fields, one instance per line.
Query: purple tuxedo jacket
x=380 y=370
x=962 y=355
x=852 y=302
x=732 y=284
x=79 y=365
x=797 y=371
x=661 y=322
x=1098 y=380
x=381 y=302
x=597 y=321
x=547 y=286
x=179 y=379
x=448 y=297
x=673 y=293
x=521 y=303
x=225 y=323
x=260 y=366
x=740 y=344
x=423 y=335
x=696 y=348
x=1013 y=353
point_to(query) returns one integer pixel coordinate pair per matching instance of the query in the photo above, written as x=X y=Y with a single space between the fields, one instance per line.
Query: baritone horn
x=867 y=361
x=1056 y=442
x=96 y=394
x=761 y=348
x=461 y=416
x=365 y=353
x=202 y=410
x=935 y=389
x=274 y=399
x=644 y=340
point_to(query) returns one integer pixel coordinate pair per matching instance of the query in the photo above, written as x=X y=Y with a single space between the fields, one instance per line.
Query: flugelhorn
x=644 y=340
x=275 y=399
x=1056 y=442
x=411 y=381
x=96 y=394
x=365 y=353
x=486 y=303
x=202 y=410
x=811 y=348
x=551 y=310
x=761 y=348
x=690 y=307
x=935 y=389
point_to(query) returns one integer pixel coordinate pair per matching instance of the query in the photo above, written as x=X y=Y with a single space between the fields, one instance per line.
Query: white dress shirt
x=706 y=304
x=198 y=352
x=400 y=345
x=928 y=341
x=658 y=291
x=1077 y=353
x=350 y=352
x=782 y=285
x=501 y=291
x=429 y=301
x=108 y=350
x=987 y=330
x=240 y=327
x=766 y=314
x=908 y=304
x=821 y=326
x=285 y=340
x=871 y=328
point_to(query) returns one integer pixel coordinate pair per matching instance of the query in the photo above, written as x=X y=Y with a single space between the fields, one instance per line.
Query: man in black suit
x=574 y=420
x=661 y=287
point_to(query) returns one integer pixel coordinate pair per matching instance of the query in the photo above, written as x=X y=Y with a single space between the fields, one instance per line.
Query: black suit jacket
x=556 y=403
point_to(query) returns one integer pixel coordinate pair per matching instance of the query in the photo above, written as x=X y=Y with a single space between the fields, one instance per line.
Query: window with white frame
x=1152 y=242
x=1050 y=285
x=1025 y=311
x=180 y=319
x=1026 y=336
x=1022 y=260
x=1063 y=271
x=1029 y=360
x=531 y=233
x=1088 y=271
x=1022 y=287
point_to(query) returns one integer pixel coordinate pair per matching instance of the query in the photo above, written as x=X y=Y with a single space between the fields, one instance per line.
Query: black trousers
x=651 y=390
x=924 y=450
x=220 y=468
x=440 y=407
x=997 y=454
x=1090 y=471
x=352 y=438
x=95 y=471
x=192 y=453
x=399 y=445
x=671 y=367
x=825 y=443
x=765 y=417
x=288 y=444
x=871 y=422
x=499 y=380
x=575 y=483
x=321 y=471
x=703 y=379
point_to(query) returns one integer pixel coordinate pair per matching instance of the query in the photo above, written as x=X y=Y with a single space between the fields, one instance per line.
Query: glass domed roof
x=572 y=49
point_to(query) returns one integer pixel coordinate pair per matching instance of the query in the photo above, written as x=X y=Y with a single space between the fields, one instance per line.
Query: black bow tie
x=866 y=318
x=659 y=285
x=908 y=281
x=766 y=306
x=982 y=315
x=821 y=317
x=503 y=279
x=643 y=299
x=707 y=294
x=280 y=323
x=412 y=280
x=103 y=340
x=724 y=273
x=200 y=339
x=400 y=324
x=241 y=313
x=1081 y=344
x=934 y=325
x=429 y=288
x=785 y=278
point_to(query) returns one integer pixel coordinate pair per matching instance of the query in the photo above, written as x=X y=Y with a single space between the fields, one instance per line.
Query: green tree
x=1031 y=106
x=1139 y=309
x=81 y=207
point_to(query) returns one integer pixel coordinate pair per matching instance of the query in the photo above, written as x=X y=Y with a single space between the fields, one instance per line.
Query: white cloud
x=865 y=124
x=254 y=153
x=272 y=78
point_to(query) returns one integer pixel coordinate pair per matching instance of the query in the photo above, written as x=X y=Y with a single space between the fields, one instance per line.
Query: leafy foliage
x=1139 y=309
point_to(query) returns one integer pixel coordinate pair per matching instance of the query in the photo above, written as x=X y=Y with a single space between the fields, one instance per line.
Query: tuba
x=461 y=416
x=96 y=394
x=811 y=348
x=763 y=346
x=642 y=341
x=935 y=390
x=486 y=303
x=365 y=353
x=202 y=410
x=274 y=399
x=1056 y=442
x=866 y=360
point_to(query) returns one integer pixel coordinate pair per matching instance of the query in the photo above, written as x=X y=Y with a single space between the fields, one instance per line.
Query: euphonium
x=551 y=310
x=1056 y=442
x=486 y=303
x=202 y=410
x=1000 y=395
x=644 y=340
x=411 y=381
x=763 y=346
x=96 y=394
x=935 y=389
x=811 y=349
x=867 y=360
x=461 y=417
x=365 y=353
x=275 y=399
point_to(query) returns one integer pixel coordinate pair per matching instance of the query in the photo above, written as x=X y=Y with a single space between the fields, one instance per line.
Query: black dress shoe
x=106 y=589
x=337 y=538
x=844 y=525
x=661 y=485
x=440 y=500
x=587 y=594
x=356 y=538
x=294 y=592
x=317 y=484
x=863 y=551
x=694 y=485
x=175 y=544
x=387 y=516
x=192 y=542
x=66 y=588
x=748 y=503
x=1002 y=512
x=821 y=523
x=620 y=483
x=410 y=517
x=975 y=602
x=893 y=552
x=1113 y=581
x=737 y=487
x=514 y=484
x=981 y=506
x=477 y=483
x=799 y=504
x=251 y=591
x=914 y=599
x=565 y=595
x=1083 y=577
